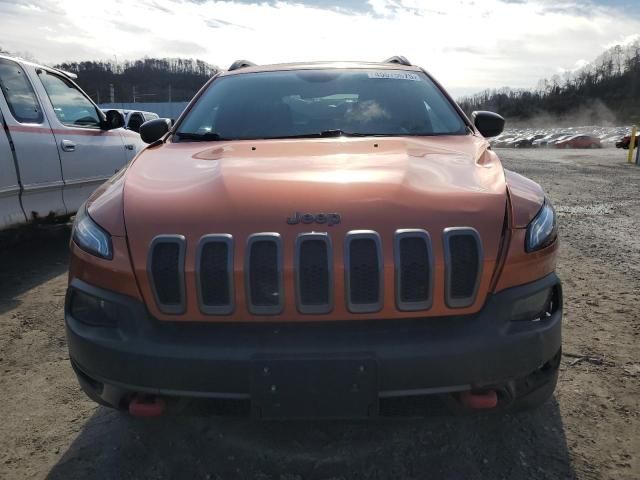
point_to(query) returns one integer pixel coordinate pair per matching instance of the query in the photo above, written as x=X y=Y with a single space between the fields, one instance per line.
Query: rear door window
x=18 y=92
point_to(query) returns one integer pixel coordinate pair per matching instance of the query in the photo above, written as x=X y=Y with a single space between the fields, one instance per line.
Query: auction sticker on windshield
x=395 y=75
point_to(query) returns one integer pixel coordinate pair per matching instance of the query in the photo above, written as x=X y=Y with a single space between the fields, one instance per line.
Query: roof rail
x=241 y=64
x=397 y=59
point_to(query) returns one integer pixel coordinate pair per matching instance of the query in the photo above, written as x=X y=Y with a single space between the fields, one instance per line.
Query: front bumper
x=408 y=357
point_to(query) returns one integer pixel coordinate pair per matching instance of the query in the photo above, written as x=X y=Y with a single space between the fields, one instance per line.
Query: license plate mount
x=303 y=387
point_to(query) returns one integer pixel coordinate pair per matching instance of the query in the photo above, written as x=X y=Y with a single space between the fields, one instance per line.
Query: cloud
x=345 y=6
x=468 y=45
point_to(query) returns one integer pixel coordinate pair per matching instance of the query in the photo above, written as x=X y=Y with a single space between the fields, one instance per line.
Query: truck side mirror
x=489 y=124
x=154 y=130
x=114 y=119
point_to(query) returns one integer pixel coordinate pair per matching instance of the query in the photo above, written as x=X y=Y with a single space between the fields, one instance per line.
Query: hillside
x=145 y=80
x=606 y=91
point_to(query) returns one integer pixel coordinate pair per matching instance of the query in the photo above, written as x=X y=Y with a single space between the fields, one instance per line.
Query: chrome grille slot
x=463 y=260
x=165 y=267
x=263 y=274
x=413 y=270
x=214 y=274
x=363 y=271
x=314 y=273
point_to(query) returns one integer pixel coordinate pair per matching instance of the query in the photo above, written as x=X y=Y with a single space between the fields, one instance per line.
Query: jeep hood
x=197 y=188
x=384 y=184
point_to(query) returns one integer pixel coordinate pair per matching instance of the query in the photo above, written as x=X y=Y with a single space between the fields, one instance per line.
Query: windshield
x=316 y=102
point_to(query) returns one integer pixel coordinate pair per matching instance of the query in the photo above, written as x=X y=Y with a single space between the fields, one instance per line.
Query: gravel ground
x=590 y=430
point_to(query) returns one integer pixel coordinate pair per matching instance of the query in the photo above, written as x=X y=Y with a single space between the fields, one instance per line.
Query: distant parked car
x=579 y=141
x=503 y=142
x=135 y=118
x=624 y=142
x=526 y=142
x=547 y=140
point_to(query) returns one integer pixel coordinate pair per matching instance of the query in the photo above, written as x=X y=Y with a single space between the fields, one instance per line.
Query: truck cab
x=56 y=145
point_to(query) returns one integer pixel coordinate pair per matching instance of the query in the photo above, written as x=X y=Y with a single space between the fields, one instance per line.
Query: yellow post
x=632 y=144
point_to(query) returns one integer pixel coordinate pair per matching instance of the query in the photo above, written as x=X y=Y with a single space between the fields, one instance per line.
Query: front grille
x=463 y=266
x=363 y=271
x=166 y=272
x=264 y=274
x=314 y=273
x=313 y=264
x=214 y=274
x=414 y=270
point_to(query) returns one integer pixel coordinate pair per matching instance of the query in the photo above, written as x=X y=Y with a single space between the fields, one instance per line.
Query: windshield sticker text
x=395 y=75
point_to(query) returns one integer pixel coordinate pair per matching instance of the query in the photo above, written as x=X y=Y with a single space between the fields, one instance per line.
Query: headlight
x=543 y=229
x=90 y=237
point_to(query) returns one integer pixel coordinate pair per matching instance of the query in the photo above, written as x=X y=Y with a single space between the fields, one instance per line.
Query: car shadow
x=115 y=445
x=29 y=258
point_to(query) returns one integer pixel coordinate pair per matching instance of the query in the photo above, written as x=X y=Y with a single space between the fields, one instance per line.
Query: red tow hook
x=479 y=400
x=146 y=406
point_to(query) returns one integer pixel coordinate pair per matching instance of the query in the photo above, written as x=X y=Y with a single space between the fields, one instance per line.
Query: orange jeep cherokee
x=316 y=240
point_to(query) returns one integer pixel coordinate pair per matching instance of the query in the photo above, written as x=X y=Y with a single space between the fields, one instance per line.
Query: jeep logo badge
x=329 y=218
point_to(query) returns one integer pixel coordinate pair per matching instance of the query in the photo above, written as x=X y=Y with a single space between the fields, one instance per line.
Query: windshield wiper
x=340 y=133
x=202 y=137
x=326 y=134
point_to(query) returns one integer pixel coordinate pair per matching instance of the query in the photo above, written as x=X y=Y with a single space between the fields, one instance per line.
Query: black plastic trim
x=169 y=309
x=262 y=309
x=314 y=309
x=447 y=235
x=424 y=235
x=215 y=309
x=363 y=307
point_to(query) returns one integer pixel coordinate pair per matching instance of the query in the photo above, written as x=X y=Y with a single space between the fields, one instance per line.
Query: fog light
x=533 y=308
x=93 y=310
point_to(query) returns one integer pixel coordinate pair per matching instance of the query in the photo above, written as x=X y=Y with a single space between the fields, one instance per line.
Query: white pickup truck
x=56 y=145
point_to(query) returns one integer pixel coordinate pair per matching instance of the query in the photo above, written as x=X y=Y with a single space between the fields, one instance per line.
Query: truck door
x=10 y=210
x=36 y=155
x=88 y=154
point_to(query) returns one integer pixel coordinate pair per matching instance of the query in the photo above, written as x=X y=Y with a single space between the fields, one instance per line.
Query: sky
x=468 y=45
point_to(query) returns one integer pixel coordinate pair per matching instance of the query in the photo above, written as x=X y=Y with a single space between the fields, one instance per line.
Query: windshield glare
x=308 y=102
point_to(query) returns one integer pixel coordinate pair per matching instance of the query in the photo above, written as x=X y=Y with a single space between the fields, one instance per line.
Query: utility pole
x=134 y=94
x=112 y=94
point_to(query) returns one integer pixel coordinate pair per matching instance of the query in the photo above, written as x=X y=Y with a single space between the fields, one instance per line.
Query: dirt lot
x=590 y=430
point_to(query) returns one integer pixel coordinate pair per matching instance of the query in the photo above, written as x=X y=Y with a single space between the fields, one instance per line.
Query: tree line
x=144 y=80
x=608 y=86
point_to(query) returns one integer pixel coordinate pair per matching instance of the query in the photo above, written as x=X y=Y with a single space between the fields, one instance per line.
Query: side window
x=18 y=92
x=69 y=104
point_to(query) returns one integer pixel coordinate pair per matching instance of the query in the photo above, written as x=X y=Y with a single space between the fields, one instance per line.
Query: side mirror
x=489 y=124
x=114 y=120
x=154 y=129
